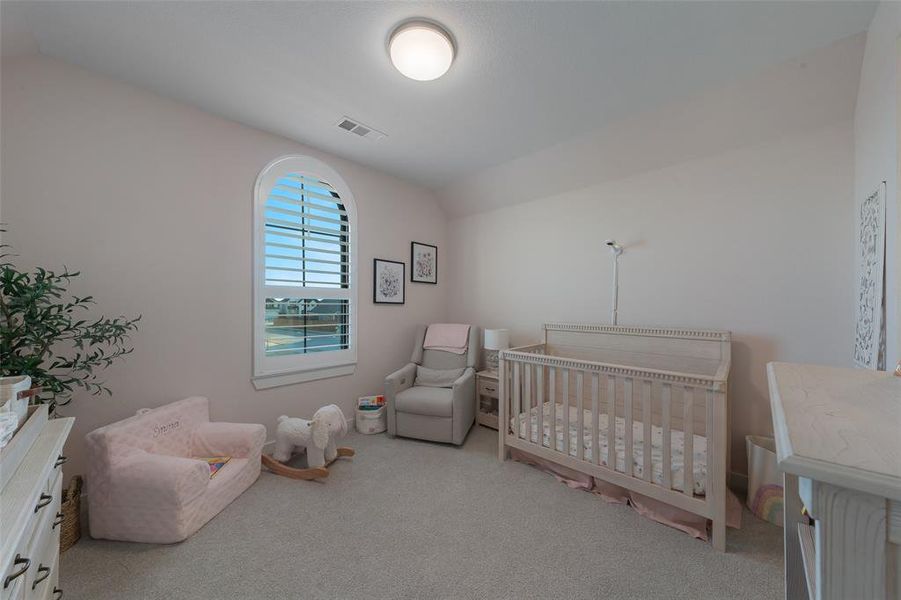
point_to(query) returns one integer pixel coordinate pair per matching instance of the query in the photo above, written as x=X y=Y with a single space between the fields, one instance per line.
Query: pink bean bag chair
x=145 y=482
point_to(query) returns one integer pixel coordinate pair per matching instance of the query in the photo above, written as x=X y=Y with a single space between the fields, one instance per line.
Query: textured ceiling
x=528 y=74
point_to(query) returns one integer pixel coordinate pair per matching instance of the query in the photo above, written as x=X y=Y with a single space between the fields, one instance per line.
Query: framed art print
x=869 y=342
x=388 y=281
x=423 y=263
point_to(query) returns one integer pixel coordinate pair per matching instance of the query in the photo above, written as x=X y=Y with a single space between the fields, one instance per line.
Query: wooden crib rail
x=533 y=354
x=652 y=402
x=530 y=349
x=662 y=402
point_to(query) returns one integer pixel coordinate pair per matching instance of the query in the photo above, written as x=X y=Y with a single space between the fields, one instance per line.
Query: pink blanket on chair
x=449 y=337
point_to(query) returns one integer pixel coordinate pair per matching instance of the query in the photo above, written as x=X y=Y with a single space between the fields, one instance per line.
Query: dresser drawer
x=488 y=387
x=30 y=502
x=47 y=505
x=45 y=575
x=44 y=546
x=40 y=547
x=53 y=591
x=14 y=574
x=15 y=590
x=54 y=472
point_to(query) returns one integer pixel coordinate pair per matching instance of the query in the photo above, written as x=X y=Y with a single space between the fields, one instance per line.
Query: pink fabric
x=613 y=494
x=144 y=482
x=568 y=477
x=449 y=337
x=690 y=523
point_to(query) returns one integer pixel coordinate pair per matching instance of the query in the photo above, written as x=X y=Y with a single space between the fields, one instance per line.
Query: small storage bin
x=12 y=398
x=371 y=421
x=765 y=492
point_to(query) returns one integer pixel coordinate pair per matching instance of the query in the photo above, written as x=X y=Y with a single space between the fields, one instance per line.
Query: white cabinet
x=30 y=517
x=838 y=443
x=486 y=398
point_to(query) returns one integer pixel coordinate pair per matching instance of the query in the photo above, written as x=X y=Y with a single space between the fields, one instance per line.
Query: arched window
x=304 y=273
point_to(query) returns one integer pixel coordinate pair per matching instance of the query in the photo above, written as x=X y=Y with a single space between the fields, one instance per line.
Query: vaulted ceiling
x=528 y=75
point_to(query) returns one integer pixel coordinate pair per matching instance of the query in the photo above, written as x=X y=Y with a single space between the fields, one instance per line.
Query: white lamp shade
x=497 y=339
x=421 y=51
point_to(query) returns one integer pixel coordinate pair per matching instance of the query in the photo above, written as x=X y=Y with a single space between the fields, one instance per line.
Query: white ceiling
x=528 y=75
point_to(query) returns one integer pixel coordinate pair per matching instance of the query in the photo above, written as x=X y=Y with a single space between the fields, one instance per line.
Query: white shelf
x=837 y=446
x=809 y=557
x=487 y=419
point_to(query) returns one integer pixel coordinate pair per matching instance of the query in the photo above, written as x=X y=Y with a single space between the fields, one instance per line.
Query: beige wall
x=804 y=94
x=151 y=200
x=756 y=240
x=876 y=151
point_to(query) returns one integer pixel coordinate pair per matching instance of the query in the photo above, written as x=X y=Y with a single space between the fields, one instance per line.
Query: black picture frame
x=413 y=263
x=375 y=281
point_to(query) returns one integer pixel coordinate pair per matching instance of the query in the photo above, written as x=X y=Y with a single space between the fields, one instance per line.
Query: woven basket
x=70 y=508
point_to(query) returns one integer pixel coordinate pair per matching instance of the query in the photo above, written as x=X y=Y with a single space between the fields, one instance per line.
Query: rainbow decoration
x=768 y=503
x=216 y=463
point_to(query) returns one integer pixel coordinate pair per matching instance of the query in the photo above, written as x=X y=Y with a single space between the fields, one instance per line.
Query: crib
x=642 y=408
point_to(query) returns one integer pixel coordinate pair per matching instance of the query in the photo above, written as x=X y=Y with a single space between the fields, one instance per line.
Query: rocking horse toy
x=317 y=437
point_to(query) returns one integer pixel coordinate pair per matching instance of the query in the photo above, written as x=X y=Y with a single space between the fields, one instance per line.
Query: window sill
x=265 y=382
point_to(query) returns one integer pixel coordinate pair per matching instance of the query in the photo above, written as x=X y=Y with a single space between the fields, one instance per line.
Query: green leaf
x=39 y=336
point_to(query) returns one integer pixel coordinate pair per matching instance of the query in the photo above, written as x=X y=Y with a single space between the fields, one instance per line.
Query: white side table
x=486 y=398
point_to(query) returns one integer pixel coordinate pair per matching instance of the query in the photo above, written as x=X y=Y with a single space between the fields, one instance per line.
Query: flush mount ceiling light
x=421 y=50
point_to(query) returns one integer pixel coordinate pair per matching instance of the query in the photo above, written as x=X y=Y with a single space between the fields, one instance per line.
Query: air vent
x=357 y=128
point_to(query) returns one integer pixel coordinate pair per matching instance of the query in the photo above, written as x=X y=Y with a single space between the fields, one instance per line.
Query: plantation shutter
x=307 y=267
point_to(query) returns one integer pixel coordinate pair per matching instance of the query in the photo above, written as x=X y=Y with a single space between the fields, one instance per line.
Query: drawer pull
x=57 y=593
x=60 y=461
x=42 y=574
x=44 y=501
x=58 y=521
x=25 y=562
x=490 y=389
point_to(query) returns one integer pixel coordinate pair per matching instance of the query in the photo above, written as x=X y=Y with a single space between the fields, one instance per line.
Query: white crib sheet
x=699 y=454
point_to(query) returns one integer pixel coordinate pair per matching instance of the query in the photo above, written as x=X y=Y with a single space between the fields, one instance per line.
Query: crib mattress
x=677 y=451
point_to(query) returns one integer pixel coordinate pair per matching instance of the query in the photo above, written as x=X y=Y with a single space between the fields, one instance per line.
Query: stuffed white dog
x=317 y=436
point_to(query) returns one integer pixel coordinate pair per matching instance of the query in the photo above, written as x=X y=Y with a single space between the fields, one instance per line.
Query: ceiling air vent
x=357 y=128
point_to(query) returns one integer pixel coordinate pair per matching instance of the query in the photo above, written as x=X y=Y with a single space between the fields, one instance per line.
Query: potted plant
x=43 y=334
x=47 y=333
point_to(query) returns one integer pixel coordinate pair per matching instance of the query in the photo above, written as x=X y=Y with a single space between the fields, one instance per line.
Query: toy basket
x=371 y=421
x=70 y=509
x=370 y=417
x=765 y=493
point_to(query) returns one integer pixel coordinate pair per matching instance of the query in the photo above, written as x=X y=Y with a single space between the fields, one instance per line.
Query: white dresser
x=29 y=517
x=838 y=443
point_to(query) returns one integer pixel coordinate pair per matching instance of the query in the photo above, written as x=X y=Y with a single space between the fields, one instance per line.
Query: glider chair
x=147 y=481
x=433 y=397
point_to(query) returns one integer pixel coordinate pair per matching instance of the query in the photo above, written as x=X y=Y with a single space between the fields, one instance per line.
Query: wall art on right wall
x=869 y=339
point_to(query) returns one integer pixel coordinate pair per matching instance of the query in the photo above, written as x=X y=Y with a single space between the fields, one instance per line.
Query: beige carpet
x=408 y=519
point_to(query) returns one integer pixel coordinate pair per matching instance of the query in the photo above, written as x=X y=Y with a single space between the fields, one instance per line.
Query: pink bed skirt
x=655 y=510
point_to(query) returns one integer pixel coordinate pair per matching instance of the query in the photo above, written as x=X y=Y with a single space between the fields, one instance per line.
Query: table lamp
x=495 y=340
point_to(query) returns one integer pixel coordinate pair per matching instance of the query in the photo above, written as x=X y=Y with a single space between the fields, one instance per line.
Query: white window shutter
x=305 y=301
